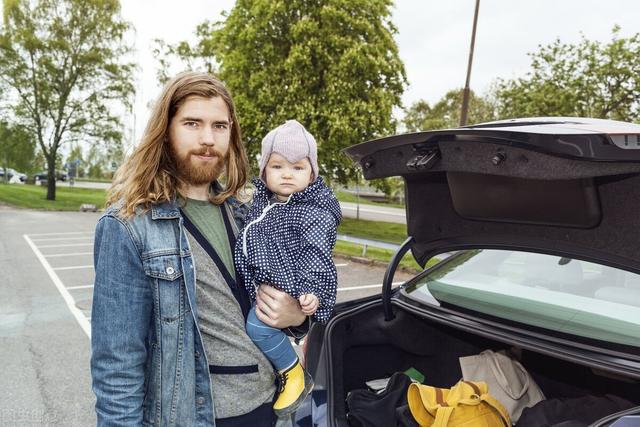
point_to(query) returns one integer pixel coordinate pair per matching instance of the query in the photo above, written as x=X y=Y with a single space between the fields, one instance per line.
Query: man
x=169 y=345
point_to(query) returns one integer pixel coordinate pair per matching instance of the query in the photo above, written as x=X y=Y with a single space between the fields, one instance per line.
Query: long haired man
x=168 y=339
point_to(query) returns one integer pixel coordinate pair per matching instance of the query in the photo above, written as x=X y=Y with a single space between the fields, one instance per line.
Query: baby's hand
x=309 y=303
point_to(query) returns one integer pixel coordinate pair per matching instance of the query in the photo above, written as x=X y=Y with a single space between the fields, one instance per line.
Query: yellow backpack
x=467 y=404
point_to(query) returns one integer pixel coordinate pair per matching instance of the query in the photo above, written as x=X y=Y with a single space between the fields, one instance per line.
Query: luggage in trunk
x=363 y=346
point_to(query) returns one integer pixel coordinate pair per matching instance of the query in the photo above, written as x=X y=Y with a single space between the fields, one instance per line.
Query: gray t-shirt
x=242 y=378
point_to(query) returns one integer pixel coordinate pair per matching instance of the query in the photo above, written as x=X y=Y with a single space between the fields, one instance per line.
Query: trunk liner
x=363 y=346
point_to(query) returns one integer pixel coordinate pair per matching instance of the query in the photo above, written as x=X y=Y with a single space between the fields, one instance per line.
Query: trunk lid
x=566 y=186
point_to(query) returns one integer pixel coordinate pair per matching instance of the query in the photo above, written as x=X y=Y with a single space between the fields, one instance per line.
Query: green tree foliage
x=101 y=162
x=17 y=148
x=446 y=112
x=76 y=157
x=587 y=79
x=200 y=56
x=61 y=62
x=443 y=114
x=333 y=65
x=96 y=163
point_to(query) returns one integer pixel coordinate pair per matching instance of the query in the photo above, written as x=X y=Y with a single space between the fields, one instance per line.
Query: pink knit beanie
x=293 y=142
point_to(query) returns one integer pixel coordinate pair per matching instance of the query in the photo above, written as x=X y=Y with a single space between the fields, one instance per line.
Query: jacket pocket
x=165 y=267
x=166 y=274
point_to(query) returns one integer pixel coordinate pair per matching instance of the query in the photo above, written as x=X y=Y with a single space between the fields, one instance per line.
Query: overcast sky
x=433 y=37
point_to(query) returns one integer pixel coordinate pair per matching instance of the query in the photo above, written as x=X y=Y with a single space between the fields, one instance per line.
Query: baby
x=287 y=241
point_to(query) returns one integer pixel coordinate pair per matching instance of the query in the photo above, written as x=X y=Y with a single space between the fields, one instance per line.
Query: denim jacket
x=148 y=364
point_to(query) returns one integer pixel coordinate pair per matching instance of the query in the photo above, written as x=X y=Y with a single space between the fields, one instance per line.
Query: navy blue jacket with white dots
x=289 y=244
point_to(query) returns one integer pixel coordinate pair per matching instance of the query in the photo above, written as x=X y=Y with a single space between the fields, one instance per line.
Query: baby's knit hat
x=293 y=142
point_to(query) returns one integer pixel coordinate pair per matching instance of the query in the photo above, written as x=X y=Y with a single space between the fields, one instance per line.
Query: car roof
x=561 y=125
x=568 y=186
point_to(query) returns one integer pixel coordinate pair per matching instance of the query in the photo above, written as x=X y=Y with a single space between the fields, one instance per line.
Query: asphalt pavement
x=373 y=212
x=45 y=309
x=44 y=353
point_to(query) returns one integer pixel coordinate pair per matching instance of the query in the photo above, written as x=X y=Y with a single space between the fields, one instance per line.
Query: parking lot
x=45 y=314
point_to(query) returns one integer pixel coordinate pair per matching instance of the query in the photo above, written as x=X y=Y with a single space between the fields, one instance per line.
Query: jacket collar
x=165 y=210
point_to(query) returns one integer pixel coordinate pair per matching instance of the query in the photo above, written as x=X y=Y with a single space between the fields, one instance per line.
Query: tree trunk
x=51 y=176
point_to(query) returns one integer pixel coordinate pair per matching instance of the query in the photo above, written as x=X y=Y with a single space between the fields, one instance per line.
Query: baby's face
x=284 y=178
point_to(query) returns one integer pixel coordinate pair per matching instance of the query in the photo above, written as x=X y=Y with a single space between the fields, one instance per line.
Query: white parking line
x=73 y=288
x=73 y=254
x=62 y=238
x=341 y=265
x=60 y=234
x=355 y=288
x=67 y=246
x=68 y=299
x=75 y=267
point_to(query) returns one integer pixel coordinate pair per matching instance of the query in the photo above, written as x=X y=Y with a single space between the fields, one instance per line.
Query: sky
x=433 y=38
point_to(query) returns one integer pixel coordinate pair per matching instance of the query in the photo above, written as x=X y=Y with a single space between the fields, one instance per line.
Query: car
x=60 y=175
x=11 y=173
x=541 y=215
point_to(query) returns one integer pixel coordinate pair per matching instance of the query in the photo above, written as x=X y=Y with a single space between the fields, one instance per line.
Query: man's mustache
x=210 y=152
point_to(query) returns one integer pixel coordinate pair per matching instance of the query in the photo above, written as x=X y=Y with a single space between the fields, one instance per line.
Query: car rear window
x=561 y=294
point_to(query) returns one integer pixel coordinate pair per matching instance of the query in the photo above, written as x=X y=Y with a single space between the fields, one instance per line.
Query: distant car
x=60 y=176
x=542 y=217
x=11 y=173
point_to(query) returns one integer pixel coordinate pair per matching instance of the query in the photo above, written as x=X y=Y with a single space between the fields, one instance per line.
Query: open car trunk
x=563 y=187
x=362 y=346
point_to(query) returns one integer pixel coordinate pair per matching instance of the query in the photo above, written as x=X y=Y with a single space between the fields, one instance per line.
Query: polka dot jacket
x=289 y=244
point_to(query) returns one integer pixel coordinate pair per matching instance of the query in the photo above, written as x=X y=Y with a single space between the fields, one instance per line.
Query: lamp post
x=465 y=92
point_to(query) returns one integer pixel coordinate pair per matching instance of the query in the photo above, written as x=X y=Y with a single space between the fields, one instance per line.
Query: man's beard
x=199 y=174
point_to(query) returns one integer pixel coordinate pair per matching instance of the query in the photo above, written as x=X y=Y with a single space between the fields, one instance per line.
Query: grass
x=355 y=250
x=348 y=197
x=35 y=197
x=374 y=230
x=70 y=199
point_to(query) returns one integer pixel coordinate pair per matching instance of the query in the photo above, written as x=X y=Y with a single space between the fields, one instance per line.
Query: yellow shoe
x=295 y=385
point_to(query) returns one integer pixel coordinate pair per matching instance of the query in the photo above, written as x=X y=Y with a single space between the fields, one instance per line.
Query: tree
x=76 y=157
x=587 y=79
x=96 y=163
x=332 y=65
x=103 y=161
x=446 y=112
x=62 y=63
x=17 y=148
x=201 y=56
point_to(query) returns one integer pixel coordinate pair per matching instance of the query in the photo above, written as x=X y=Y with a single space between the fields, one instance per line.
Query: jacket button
x=197 y=354
x=170 y=270
x=200 y=400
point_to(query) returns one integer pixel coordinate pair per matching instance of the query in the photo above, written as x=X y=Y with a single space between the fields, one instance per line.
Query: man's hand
x=309 y=303
x=277 y=308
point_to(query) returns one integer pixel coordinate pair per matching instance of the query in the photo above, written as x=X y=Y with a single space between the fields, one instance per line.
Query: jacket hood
x=317 y=193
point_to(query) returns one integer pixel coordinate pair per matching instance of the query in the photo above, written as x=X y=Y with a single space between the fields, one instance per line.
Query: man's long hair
x=149 y=176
